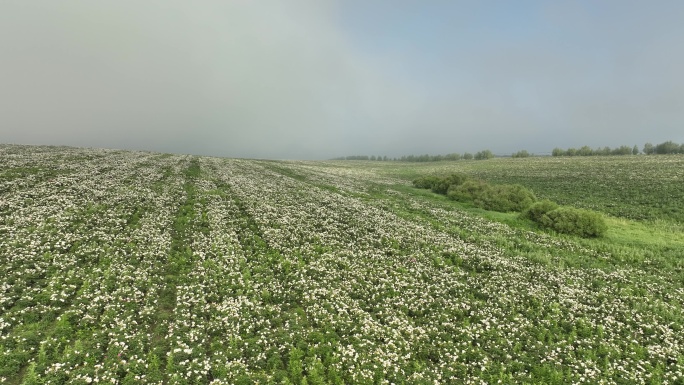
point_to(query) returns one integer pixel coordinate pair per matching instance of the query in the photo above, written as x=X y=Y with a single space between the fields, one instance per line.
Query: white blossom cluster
x=131 y=267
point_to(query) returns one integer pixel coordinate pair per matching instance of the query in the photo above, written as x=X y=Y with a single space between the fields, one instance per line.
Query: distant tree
x=557 y=152
x=467 y=156
x=571 y=152
x=521 y=154
x=484 y=154
x=372 y=157
x=384 y=158
x=622 y=150
x=585 y=151
x=635 y=150
x=668 y=147
x=649 y=149
x=603 y=151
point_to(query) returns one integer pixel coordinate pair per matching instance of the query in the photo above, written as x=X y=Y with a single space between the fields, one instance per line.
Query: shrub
x=537 y=210
x=573 y=221
x=503 y=198
x=469 y=191
x=508 y=197
x=425 y=181
x=440 y=185
x=445 y=183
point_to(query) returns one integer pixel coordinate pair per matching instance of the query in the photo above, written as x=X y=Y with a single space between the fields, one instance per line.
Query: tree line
x=480 y=155
x=668 y=147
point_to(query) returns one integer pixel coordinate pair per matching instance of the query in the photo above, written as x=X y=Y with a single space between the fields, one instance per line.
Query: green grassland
x=641 y=197
x=635 y=187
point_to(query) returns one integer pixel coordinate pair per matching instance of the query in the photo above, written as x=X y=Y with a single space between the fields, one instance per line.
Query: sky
x=316 y=79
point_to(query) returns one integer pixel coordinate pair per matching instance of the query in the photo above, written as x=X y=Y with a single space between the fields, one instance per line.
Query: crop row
x=141 y=268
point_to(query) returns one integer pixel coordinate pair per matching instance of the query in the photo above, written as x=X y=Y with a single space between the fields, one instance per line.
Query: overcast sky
x=318 y=79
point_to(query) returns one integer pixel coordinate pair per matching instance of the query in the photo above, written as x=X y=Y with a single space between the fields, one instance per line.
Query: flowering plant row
x=132 y=267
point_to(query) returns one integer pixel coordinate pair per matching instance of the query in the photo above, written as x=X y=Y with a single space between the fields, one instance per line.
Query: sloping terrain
x=134 y=267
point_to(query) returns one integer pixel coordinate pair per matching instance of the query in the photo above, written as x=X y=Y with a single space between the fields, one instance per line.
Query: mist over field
x=315 y=80
x=201 y=192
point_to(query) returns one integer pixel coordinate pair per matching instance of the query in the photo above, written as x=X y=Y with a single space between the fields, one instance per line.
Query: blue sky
x=311 y=79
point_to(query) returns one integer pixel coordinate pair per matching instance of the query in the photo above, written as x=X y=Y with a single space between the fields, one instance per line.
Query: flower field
x=143 y=268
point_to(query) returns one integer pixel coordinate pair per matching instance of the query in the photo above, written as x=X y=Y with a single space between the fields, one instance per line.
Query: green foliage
x=469 y=191
x=483 y=155
x=668 y=147
x=649 y=149
x=443 y=184
x=537 y=210
x=425 y=181
x=507 y=197
x=567 y=220
x=31 y=377
x=316 y=372
x=405 y=158
x=295 y=365
x=440 y=185
x=502 y=198
x=635 y=187
x=521 y=154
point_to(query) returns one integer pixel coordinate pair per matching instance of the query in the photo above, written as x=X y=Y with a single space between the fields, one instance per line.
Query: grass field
x=138 y=268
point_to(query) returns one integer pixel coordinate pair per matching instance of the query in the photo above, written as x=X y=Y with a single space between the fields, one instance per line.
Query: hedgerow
x=516 y=198
x=460 y=187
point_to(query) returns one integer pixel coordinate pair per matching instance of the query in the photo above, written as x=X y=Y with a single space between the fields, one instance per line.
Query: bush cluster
x=583 y=223
x=502 y=198
x=514 y=197
x=567 y=220
x=460 y=187
x=439 y=185
x=425 y=181
x=536 y=211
